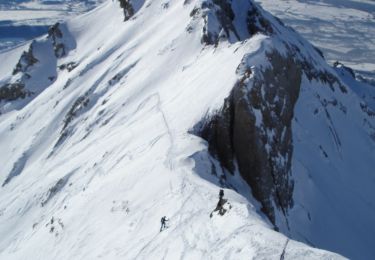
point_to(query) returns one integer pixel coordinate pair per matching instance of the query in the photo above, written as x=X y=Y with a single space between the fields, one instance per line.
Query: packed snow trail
x=107 y=148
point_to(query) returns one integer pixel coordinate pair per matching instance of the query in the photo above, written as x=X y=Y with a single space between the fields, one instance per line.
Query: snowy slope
x=331 y=155
x=93 y=157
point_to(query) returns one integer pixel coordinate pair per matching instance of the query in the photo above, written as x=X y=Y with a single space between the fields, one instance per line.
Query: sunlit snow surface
x=128 y=158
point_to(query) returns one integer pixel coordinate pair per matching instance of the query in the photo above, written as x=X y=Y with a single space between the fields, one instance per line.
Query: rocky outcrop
x=68 y=66
x=56 y=45
x=26 y=60
x=256 y=23
x=17 y=169
x=56 y=36
x=13 y=91
x=131 y=7
x=218 y=19
x=128 y=9
x=253 y=130
x=341 y=67
x=16 y=88
x=77 y=107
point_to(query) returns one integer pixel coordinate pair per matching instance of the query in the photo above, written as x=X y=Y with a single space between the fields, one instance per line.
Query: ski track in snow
x=128 y=157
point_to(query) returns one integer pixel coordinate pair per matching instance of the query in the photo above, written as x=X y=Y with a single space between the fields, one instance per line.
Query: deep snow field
x=97 y=155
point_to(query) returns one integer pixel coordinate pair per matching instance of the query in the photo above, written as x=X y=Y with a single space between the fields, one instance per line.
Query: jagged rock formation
x=252 y=132
x=56 y=36
x=68 y=66
x=130 y=7
x=13 y=91
x=26 y=60
x=256 y=23
x=341 y=66
x=219 y=19
x=253 y=129
x=25 y=80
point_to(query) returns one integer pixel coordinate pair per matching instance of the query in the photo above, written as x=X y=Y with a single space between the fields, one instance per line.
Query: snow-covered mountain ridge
x=99 y=134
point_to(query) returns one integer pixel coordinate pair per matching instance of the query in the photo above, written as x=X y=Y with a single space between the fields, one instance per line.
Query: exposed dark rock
x=68 y=66
x=67 y=84
x=56 y=35
x=27 y=60
x=17 y=169
x=13 y=91
x=220 y=10
x=218 y=19
x=54 y=32
x=367 y=110
x=253 y=129
x=128 y=9
x=195 y=12
x=60 y=184
x=78 y=105
x=341 y=66
x=115 y=79
x=256 y=23
x=312 y=72
x=76 y=108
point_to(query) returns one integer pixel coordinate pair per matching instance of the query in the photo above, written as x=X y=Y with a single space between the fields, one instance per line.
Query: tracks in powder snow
x=282 y=256
x=169 y=161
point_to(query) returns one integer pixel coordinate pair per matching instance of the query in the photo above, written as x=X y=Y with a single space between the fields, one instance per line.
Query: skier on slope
x=163 y=223
x=221 y=194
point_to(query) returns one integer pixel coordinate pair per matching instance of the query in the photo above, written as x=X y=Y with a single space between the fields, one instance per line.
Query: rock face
x=256 y=23
x=128 y=9
x=26 y=60
x=253 y=130
x=219 y=21
x=13 y=91
x=44 y=52
x=56 y=36
x=16 y=89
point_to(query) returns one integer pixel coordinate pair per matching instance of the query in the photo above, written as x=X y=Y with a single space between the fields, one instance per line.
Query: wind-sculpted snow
x=107 y=148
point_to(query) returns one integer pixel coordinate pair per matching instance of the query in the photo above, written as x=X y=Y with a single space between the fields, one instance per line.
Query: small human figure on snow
x=221 y=194
x=163 y=223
